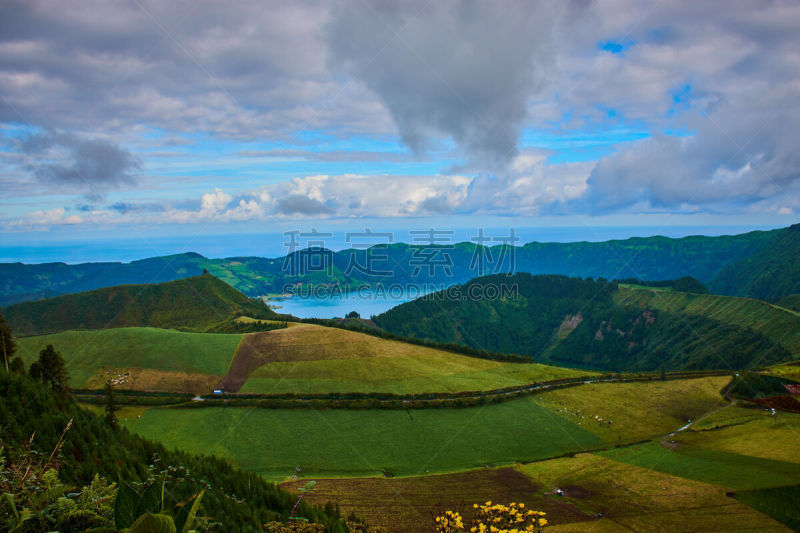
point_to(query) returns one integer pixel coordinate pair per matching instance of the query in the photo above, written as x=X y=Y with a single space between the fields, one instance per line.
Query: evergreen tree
x=17 y=365
x=7 y=343
x=51 y=369
x=111 y=406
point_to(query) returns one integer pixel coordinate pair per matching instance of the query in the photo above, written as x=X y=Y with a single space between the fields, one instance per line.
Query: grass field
x=633 y=498
x=780 y=503
x=778 y=324
x=332 y=443
x=725 y=469
x=748 y=431
x=307 y=358
x=86 y=352
x=791 y=371
x=632 y=411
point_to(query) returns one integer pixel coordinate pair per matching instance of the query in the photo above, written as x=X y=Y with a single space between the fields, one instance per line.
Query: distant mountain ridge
x=758 y=264
x=198 y=303
x=597 y=324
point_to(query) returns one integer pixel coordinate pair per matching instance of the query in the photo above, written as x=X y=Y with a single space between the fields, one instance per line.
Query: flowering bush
x=511 y=518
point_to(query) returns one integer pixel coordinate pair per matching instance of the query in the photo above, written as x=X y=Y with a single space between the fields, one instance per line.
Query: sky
x=142 y=119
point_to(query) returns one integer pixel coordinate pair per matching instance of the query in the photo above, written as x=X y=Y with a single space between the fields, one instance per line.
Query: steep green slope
x=525 y=322
x=595 y=324
x=770 y=274
x=777 y=324
x=198 y=303
x=791 y=302
x=239 y=501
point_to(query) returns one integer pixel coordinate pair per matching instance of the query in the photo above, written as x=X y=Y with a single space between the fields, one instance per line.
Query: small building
x=217 y=391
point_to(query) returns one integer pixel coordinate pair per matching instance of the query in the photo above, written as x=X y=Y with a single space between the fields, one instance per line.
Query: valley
x=610 y=405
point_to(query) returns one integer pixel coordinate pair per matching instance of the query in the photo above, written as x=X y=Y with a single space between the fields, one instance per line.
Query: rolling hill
x=300 y=359
x=199 y=303
x=596 y=324
x=728 y=264
x=771 y=274
x=311 y=359
x=139 y=358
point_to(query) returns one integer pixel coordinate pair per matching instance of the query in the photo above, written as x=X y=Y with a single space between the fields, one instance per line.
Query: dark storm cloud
x=239 y=71
x=463 y=70
x=297 y=204
x=63 y=158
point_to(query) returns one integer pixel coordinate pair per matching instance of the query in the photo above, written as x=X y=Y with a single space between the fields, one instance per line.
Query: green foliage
x=111 y=406
x=187 y=514
x=239 y=501
x=684 y=284
x=587 y=324
x=17 y=365
x=35 y=499
x=790 y=302
x=250 y=326
x=750 y=385
x=92 y=506
x=8 y=344
x=524 y=324
x=770 y=274
x=51 y=369
x=778 y=325
x=635 y=340
x=200 y=303
x=153 y=523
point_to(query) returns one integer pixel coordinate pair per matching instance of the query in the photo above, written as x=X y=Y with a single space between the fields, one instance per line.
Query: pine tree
x=17 y=365
x=51 y=369
x=111 y=406
x=7 y=343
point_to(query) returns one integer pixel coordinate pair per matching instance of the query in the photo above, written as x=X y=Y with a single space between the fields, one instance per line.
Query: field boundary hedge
x=356 y=400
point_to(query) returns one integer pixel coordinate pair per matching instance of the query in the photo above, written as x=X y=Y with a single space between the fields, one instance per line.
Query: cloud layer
x=149 y=101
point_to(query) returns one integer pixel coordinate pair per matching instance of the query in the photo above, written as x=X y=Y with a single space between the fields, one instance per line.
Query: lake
x=367 y=302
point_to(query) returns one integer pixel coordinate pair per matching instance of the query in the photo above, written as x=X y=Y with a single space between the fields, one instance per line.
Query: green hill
x=596 y=324
x=770 y=274
x=300 y=359
x=199 y=303
x=791 y=302
x=307 y=358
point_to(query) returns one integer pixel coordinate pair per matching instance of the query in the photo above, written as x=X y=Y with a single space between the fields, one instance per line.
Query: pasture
x=87 y=352
x=306 y=358
x=332 y=443
x=725 y=469
x=635 y=498
x=625 y=412
x=748 y=431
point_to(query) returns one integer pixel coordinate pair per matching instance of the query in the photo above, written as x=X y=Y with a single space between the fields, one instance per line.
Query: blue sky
x=153 y=120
